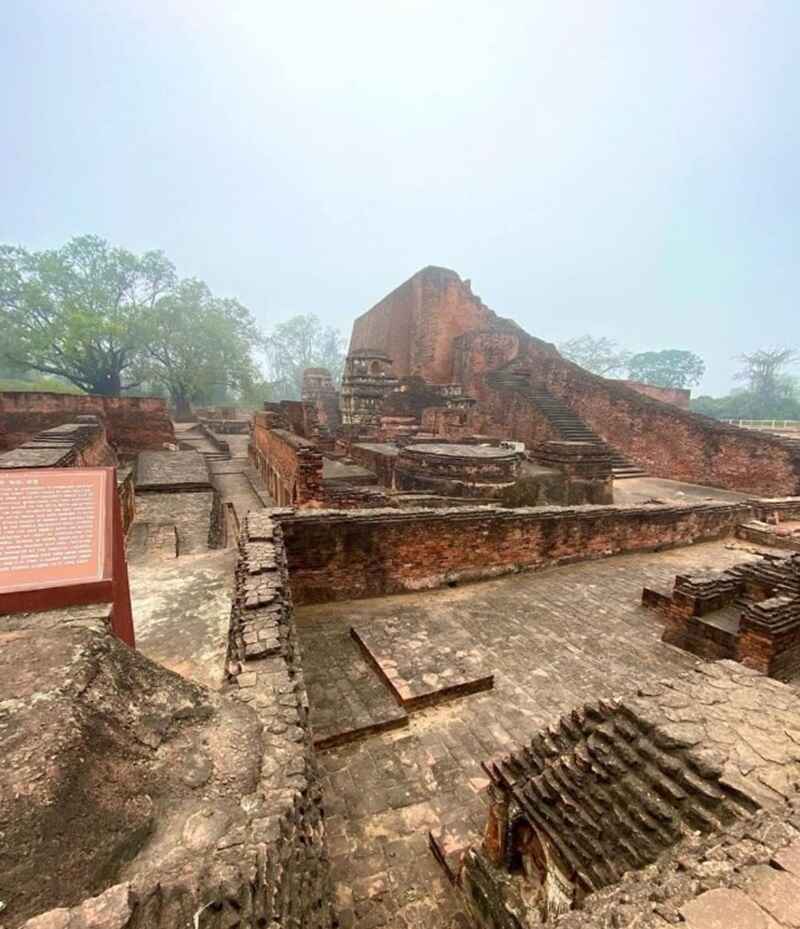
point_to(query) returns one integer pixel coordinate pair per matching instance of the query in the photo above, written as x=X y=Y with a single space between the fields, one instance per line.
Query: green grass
x=44 y=383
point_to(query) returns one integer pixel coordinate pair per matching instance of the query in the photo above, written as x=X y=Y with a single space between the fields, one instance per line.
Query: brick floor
x=553 y=639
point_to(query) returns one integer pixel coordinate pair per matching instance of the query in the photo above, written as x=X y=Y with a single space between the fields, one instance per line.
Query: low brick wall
x=80 y=444
x=294 y=887
x=253 y=859
x=338 y=555
x=290 y=465
x=133 y=423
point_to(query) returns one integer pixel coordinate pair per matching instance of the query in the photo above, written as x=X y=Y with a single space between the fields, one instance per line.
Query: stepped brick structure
x=750 y=612
x=433 y=326
x=614 y=784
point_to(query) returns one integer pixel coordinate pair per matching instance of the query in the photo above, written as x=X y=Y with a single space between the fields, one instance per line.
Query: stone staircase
x=568 y=425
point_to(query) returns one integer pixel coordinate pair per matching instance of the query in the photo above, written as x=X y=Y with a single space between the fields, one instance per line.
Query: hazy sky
x=627 y=169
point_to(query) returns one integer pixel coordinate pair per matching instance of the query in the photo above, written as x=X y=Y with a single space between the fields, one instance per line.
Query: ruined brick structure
x=171 y=804
x=677 y=396
x=613 y=785
x=457 y=470
x=80 y=444
x=133 y=424
x=289 y=465
x=319 y=391
x=750 y=613
x=335 y=556
x=436 y=328
x=368 y=379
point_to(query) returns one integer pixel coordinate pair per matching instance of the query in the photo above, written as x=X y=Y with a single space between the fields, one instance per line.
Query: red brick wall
x=416 y=323
x=674 y=395
x=133 y=424
x=290 y=466
x=501 y=415
x=358 y=554
x=666 y=441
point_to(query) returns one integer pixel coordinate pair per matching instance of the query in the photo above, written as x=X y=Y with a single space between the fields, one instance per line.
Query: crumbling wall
x=133 y=424
x=290 y=466
x=416 y=323
x=80 y=444
x=432 y=325
x=612 y=786
x=169 y=804
x=335 y=555
x=677 y=396
x=667 y=441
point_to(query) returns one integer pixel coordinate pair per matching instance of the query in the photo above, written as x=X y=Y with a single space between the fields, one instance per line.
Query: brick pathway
x=554 y=640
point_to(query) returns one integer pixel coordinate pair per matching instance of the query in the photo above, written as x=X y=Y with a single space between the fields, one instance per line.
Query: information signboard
x=61 y=542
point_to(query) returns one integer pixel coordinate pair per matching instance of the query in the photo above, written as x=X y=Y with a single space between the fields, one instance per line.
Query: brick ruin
x=612 y=786
x=133 y=424
x=393 y=668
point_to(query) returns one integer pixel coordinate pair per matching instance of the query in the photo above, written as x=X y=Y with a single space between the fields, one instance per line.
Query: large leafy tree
x=299 y=343
x=80 y=312
x=200 y=346
x=598 y=355
x=765 y=373
x=669 y=368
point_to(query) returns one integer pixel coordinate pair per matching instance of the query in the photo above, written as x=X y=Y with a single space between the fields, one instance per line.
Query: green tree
x=764 y=372
x=299 y=343
x=600 y=356
x=80 y=311
x=201 y=346
x=669 y=368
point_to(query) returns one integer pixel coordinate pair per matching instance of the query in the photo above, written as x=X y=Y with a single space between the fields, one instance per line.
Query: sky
x=624 y=169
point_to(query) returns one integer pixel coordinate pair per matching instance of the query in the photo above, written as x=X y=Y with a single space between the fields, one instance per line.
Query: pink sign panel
x=55 y=528
x=61 y=543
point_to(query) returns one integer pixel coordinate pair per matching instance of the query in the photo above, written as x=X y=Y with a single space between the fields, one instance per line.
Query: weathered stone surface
x=171 y=471
x=725 y=909
x=554 y=639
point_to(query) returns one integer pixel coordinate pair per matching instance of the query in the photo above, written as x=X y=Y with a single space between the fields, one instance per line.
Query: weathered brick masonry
x=435 y=327
x=667 y=441
x=133 y=423
x=347 y=555
x=240 y=847
x=80 y=444
x=290 y=465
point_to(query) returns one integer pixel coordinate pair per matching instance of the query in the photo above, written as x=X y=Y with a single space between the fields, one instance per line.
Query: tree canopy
x=599 y=355
x=764 y=372
x=107 y=320
x=299 y=343
x=80 y=312
x=668 y=368
x=200 y=345
x=769 y=392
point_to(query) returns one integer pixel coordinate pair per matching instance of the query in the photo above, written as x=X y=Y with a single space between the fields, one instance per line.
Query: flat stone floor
x=350 y=701
x=554 y=640
x=632 y=491
x=182 y=613
x=423 y=664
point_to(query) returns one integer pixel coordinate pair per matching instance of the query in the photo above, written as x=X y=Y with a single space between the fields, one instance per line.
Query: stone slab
x=788 y=859
x=725 y=909
x=347 y=699
x=423 y=665
x=776 y=892
x=171 y=471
